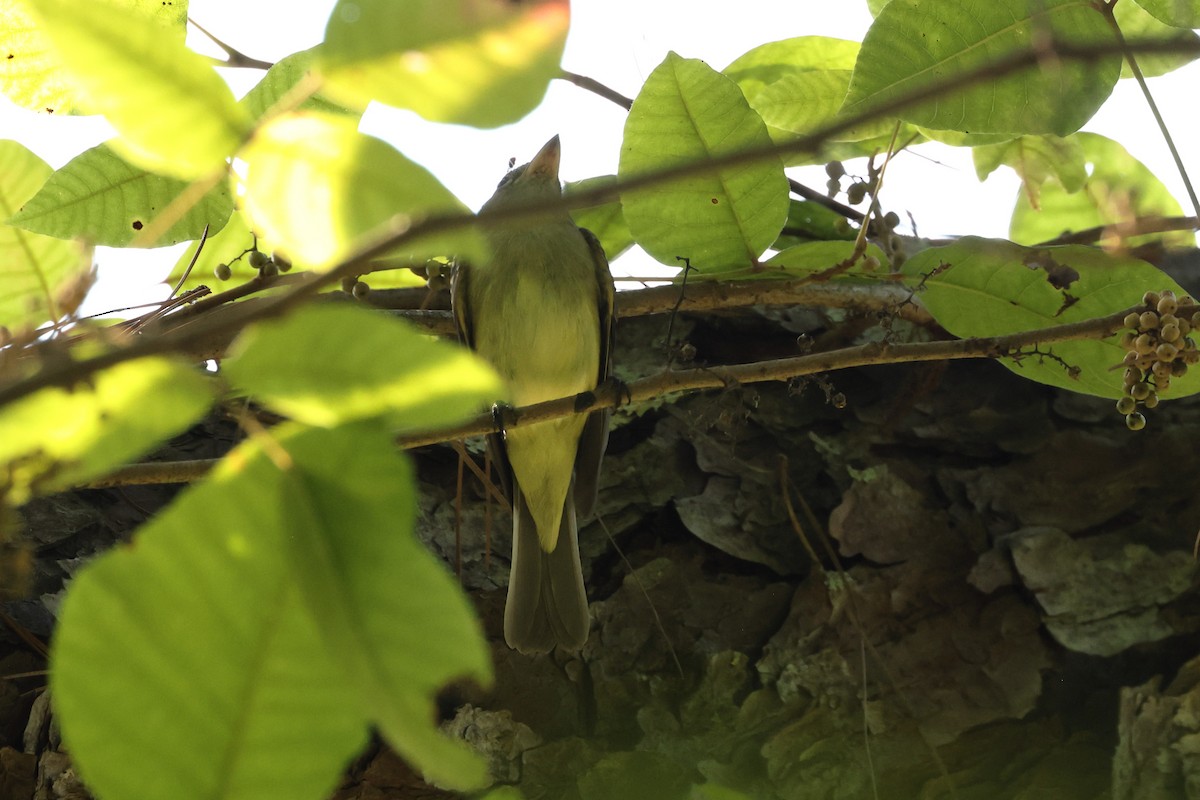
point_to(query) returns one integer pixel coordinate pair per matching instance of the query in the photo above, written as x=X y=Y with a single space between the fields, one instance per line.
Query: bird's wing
x=458 y=302
x=594 y=439
x=460 y=307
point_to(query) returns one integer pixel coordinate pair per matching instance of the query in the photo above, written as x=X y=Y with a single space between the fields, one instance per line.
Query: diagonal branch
x=402 y=230
x=673 y=382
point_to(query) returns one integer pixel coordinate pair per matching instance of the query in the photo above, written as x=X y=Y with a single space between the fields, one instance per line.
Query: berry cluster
x=1159 y=348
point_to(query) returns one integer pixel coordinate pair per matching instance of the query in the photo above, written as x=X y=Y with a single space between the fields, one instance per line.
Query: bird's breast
x=536 y=316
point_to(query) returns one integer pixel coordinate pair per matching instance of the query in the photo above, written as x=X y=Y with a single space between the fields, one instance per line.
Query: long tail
x=547 y=603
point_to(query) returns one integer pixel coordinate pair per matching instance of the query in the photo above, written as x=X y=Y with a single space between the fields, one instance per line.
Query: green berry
x=1126 y=405
x=223 y=272
x=1135 y=421
x=835 y=170
x=259 y=259
x=360 y=290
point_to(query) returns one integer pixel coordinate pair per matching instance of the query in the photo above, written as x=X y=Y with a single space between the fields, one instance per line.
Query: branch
x=1129 y=228
x=615 y=396
x=402 y=230
x=233 y=56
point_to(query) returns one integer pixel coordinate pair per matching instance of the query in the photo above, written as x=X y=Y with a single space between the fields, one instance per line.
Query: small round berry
x=1144 y=344
x=835 y=170
x=348 y=284
x=1127 y=339
x=1167 y=351
x=1151 y=299
x=1131 y=319
x=1139 y=391
x=1161 y=369
x=1167 y=304
x=1135 y=421
x=223 y=272
x=891 y=219
x=1169 y=333
x=258 y=259
x=870 y=263
x=1148 y=320
x=1130 y=358
x=1151 y=400
x=1178 y=369
x=1132 y=375
x=856 y=193
x=1126 y=405
x=360 y=290
x=269 y=269
x=283 y=262
x=832 y=187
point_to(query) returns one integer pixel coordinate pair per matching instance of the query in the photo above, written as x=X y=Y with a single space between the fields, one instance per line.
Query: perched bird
x=541 y=311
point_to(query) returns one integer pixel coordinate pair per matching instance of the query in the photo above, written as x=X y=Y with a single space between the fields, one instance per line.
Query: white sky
x=619 y=42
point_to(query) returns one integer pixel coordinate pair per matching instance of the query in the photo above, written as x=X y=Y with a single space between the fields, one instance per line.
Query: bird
x=540 y=310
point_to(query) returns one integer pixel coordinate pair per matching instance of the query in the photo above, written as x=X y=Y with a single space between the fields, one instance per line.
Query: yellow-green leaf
x=687 y=112
x=56 y=438
x=101 y=197
x=338 y=362
x=1118 y=188
x=916 y=44
x=473 y=62
x=175 y=115
x=32 y=74
x=32 y=267
x=315 y=186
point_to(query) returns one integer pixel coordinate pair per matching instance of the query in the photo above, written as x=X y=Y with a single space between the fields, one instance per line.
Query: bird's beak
x=546 y=160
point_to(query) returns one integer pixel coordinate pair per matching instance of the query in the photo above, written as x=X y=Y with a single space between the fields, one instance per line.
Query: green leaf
x=986 y=287
x=281 y=79
x=1036 y=159
x=31 y=73
x=176 y=116
x=392 y=616
x=474 y=62
x=766 y=64
x=810 y=100
x=1118 y=188
x=337 y=362
x=56 y=438
x=1137 y=25
x=804 y=259
x=210 y=646
x=1178 y=13
x=606 y=221
x=32 y=267
x=919 y=43
x=875 y=6
x=195 y=649
x=315 y=187
x=687 y=112
x=103 y=198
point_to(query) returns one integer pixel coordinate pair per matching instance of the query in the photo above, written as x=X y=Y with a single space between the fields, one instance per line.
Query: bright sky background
x=619 y=42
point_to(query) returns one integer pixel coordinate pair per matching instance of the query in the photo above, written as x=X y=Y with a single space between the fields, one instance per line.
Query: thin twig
x=596 y=87
x=234 y=57
x=1162 y=125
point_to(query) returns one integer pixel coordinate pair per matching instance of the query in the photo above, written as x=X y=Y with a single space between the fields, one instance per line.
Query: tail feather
x=547 y=602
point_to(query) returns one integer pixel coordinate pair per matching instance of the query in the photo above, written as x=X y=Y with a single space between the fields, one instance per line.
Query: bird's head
x=528 y=183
